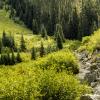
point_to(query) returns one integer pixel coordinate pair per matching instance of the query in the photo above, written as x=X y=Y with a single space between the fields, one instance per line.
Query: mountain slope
x=9 y=25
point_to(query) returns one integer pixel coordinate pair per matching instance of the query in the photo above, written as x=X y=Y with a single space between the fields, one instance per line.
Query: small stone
x=94 y=66
x=94 y=84
x=86 y=97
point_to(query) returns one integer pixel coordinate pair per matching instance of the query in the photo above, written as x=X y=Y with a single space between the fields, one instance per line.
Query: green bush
x=91 y=43
x=60 y=86
x=63 y=60
x=27 y=83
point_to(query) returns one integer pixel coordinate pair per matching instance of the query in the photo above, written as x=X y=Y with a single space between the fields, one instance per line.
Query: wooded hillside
x=77 y=18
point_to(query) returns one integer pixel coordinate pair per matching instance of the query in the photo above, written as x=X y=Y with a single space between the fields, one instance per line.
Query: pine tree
x=2 y=59
x=75 y=25
x=18 y=58
x=12 y=13
x=42 y=50
x=0 y=46
x=43 y=32
x=35 y=27
x=12 y=43
x=4 y=39
x=22 y=44
x=33 y=54
x=13 y=60
x=59 y=42
x=8 y=59
x=60 y=31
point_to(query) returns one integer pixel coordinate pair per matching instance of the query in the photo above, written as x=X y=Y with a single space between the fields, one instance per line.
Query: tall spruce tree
x=13 y=60
x=1 y=45
x=22 y=44
x=12 y=43
x=59 y=31
x=42 y=50
x=43 y=32
x=4 y=39
x=18 y=58
x=59 y=41
x=8 y=59
x=33 y=54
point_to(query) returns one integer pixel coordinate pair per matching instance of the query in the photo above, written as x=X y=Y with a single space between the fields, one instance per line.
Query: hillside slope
x=10 y=26
x=52 y=76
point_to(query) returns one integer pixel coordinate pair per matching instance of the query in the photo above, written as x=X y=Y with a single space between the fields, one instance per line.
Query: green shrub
x=60 y=86
x=27 y=83
x=91 y=43
x=63 y=60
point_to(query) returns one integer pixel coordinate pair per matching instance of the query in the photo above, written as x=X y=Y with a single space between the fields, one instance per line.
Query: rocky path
x=90 y=71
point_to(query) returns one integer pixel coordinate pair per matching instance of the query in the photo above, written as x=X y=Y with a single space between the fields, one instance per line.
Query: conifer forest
x=49 y=49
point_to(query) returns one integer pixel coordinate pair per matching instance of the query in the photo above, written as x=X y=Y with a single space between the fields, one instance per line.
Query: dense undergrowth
x=27 y=83
x=91 y=43
x=44 y=79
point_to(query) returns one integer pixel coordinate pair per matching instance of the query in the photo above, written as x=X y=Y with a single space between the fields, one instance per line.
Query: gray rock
x=95 y=97
x=94 y=84
x=91 y=77
x=86 y=97
x=94 y=66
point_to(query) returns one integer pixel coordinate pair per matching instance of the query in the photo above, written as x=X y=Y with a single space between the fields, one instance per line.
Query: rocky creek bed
x=90 y=72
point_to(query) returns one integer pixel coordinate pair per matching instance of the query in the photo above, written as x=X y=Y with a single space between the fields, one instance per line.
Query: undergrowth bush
x=24 y=83
x=64 y=60
x=91 y=43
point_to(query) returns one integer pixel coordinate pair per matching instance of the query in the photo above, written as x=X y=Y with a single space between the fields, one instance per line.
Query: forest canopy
x=77 y=18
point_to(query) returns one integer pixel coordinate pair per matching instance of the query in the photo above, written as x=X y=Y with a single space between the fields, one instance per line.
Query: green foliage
x=35 y=28
x=42 y=50
x=60 y=61
x=1 y=46
x=75 y=23
x=9 y=26
x=13 y=60
x=8 y=41
x=18 y=58
x=59 y=31
x=91 y=43
x=29 y=83
x=22 y=44
x=60 y=86
x=33 y=54
x=59 y=41
x=43 y=32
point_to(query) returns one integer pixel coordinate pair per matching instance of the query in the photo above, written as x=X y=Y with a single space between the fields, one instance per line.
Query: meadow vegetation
x=41 y=67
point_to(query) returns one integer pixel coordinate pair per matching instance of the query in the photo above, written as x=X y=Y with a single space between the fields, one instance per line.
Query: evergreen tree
x=8 y=59
x=13 y=60
x=59 y=42
x=12 y=13
x=33 y=54
x=74 y=25
x=4 y=39
x=18 y=58
x=22 y=44
x=35 y=27
x=2 y=59
x=12 y=43
x=0 y=46
x=42 y=50
x=43 y=32
x=60 y=31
